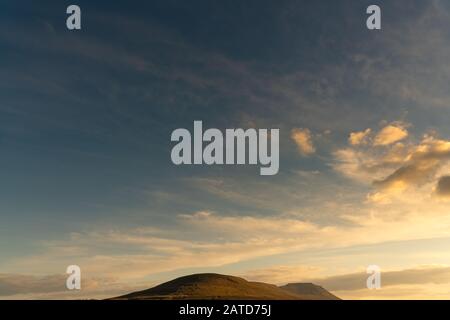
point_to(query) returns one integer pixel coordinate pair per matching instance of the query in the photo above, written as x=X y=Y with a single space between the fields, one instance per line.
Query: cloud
x=20 y=286
x=364 y=165
x=357 y=281
x=443 y=187
x=405 y=283
x=357 y=138
x=423 y=282
x=361 y=162
x=11 y=284
x=281 y=275
x=207 y=240
x=396 y=168
x=390 y=134
x=420 y=166
x=303 y=139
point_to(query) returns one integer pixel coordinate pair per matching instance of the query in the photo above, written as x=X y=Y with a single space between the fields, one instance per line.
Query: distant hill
x=311 y=290
x=211 y=286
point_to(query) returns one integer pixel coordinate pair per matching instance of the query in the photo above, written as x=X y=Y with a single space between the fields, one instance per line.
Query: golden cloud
x=303 y=140
x=391 y=134
x=421 y=166
x=397 y=167
x=360 y=137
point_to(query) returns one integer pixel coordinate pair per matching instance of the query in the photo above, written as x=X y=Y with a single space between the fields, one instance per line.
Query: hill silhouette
x=211 y=286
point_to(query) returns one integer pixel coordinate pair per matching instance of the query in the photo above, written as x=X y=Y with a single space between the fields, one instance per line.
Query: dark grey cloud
x=11 y=284
x=18 y=286
x=443 y=187
x=357 y=281
x=422 y=164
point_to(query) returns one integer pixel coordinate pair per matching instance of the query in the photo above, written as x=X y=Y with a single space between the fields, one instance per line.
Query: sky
x=86 y=116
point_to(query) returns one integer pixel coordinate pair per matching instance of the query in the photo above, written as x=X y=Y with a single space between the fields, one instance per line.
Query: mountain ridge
x=213 y=286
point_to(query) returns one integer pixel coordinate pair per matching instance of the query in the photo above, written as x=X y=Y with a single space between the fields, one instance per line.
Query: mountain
x=211 y=286
x=311 y=290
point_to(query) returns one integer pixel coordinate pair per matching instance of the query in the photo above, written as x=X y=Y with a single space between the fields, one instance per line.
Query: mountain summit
x=211 y=286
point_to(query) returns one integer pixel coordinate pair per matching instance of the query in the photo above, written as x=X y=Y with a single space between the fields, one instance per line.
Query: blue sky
x=86 y=117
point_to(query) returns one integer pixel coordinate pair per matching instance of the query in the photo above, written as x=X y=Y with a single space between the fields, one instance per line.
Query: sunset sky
x=86 y=116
